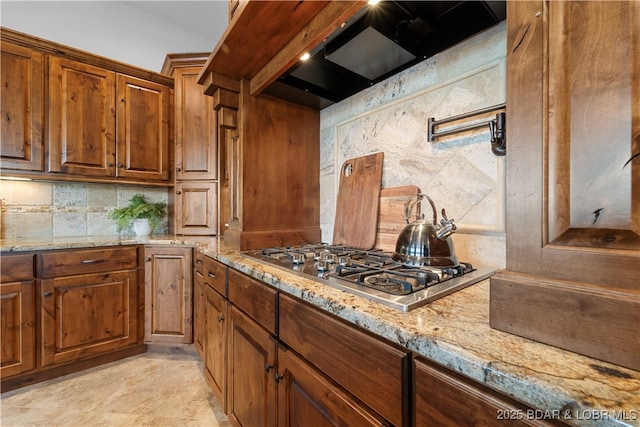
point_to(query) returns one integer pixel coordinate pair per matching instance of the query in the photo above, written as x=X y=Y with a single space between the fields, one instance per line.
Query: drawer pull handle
x=92 y=261
x=221 y=318
x=47 y=294
x=212 y=275
x=198 y=261
x=268 y=367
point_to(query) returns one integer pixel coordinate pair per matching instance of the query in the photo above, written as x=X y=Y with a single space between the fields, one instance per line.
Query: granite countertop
x=453 y=331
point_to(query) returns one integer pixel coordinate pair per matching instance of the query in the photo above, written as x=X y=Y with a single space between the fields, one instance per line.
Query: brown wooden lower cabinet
x=444 y=398
x=251 y=393
x=168 y=294
x=199 y=310
x=74 y=309
x=369 y=368
x=292 y=364
x=306 y=397
x=17 y=302
x=215 y=343
x=87 y=315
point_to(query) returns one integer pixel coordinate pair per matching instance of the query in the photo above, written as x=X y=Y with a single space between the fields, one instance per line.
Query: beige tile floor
x=163 y=387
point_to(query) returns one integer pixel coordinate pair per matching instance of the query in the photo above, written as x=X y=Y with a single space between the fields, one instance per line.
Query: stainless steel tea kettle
x=424 y=242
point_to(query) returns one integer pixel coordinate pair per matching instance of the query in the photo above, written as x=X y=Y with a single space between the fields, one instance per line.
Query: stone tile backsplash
x=34 y=209
x=459 y=172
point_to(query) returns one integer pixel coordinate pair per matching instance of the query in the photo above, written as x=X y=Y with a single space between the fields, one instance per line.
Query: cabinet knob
x=178 y=192
x=268 y=367
x=220 y=318
x=278 y=377
x=120 y=165
x=109 y=164
x=178 y=169
x=147 y=259
x=47 y=294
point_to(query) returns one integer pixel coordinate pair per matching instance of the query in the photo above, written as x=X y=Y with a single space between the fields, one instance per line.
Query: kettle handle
x=410 y=204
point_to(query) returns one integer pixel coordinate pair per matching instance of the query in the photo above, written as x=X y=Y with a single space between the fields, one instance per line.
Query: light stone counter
x=453 y=331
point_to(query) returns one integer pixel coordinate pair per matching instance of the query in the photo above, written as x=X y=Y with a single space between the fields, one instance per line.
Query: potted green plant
x=143 y=215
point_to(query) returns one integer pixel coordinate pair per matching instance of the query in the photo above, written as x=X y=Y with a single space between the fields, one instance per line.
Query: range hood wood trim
x=312 y=34
x=214 y=81
x=256 y=33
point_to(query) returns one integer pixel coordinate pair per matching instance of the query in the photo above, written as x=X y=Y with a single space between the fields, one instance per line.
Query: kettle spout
x=447 y=227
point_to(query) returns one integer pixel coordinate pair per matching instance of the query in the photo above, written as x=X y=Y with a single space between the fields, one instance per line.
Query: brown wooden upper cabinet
x=71 y=115
x=195 y=128
x=106 y=124
x=196 y=148
x=22 y=101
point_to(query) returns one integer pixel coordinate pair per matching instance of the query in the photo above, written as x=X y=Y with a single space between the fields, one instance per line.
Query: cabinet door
x=251 y=390
x=446 y=399
x=21 y=99
x=573 y=178
x=143 y=129
x=307 y=398
x=574 y=209
x=372 y=370
x=168 y=293
x=199 y=313
x=18 y=326
x=87 y=315
x=215 y=352
x=196 y=207
x=195 y=127
x=82 y=116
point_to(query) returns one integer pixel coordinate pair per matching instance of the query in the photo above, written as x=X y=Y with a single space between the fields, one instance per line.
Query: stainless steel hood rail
x=496 y=126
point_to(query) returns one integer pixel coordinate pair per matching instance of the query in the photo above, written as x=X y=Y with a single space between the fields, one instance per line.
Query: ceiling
x=205 y=17
x=140 y=33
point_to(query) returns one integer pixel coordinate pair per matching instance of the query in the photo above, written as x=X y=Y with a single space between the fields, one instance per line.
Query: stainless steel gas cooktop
x=372 y=274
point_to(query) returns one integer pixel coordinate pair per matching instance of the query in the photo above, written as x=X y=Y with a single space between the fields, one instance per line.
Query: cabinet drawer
x=445 y=398
x=370 y=369
x=256 y=299
x=68 y=263
x=16 y=267
x=214 y=273
x=198 y=261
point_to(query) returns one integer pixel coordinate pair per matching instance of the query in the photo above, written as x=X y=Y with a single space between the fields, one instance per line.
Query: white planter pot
x=141 y=227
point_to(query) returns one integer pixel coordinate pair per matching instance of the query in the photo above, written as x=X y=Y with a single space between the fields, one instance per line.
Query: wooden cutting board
x=391 y=215
x=357 y=202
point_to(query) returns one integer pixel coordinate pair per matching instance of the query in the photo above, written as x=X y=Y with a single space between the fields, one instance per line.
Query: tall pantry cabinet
x=573 y=178
x=196 y=149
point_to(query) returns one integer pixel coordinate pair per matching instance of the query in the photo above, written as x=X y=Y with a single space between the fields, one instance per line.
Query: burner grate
x=373 y=273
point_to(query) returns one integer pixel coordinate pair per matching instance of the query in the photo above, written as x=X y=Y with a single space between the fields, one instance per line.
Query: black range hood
x=379 y=42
